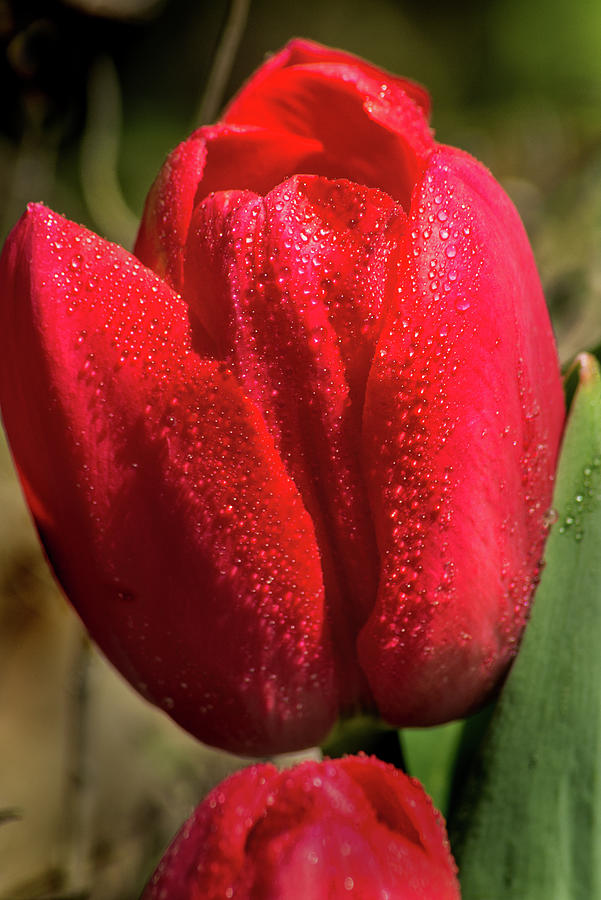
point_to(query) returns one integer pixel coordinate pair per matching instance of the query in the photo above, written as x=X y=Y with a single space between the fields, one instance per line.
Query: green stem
x=365 y=734
x=223 y=61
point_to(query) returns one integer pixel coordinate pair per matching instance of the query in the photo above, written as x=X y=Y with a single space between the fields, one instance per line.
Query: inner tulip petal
x=460 y=449
x=217 y=158
x=379 y=136
x=160 y=495
x=300 y=51
x=281 y=125
x=292 y=289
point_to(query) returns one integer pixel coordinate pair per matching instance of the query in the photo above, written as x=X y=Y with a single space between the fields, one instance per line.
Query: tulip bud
x=352 y=827
x=294 y=459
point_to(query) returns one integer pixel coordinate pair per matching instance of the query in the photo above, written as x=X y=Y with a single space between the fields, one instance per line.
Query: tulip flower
x=294 y=458
x=352 y=827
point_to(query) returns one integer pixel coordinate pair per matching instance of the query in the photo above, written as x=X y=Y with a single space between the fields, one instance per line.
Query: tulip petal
x=462 y=422
x=354 y=825
x=213 y=159
x=209 y=854
x=292 y=289
x=160 y=496
x=379 y=136
x=300 y=51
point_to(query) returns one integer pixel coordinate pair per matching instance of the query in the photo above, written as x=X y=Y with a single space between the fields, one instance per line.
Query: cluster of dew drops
x=136 y=331
x=296 y=315
x=572 y=522
x=416 y=491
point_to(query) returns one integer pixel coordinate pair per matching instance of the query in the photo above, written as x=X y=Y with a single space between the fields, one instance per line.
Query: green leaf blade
x=527 y=821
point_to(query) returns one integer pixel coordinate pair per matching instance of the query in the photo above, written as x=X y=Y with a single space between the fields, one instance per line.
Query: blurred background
x=93 y=95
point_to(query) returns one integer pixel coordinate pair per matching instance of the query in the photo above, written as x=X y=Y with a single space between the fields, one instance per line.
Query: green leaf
x=527 y=822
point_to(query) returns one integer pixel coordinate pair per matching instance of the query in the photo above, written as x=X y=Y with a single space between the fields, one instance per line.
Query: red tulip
x=352 y=827
x=316 y=478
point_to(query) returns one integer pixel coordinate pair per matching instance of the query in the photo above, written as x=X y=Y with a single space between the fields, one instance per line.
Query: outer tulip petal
x=321 y=831
x=160 y=496
x=292 y=288
x=462 y=423
x=298 y=52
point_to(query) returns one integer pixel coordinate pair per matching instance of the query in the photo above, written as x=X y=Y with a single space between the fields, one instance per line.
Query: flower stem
x=365 y=734
x=229 y=41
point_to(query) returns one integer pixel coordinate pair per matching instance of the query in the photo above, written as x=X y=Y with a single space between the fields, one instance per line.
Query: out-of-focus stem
x=223 y=60
x=100 y=154
x=368 y=735
x=78 y=788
